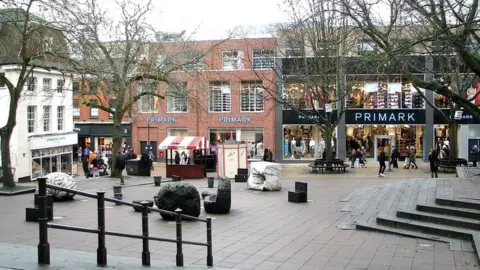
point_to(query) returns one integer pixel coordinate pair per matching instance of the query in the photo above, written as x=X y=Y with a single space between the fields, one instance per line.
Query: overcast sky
x=214 y=18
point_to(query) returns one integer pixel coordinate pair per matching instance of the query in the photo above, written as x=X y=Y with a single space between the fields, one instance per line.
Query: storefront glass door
x=385 y=141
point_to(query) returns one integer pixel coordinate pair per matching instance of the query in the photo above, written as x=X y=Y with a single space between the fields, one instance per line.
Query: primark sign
x=385 y=117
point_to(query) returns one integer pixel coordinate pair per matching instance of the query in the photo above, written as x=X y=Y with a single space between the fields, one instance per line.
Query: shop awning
x=182 y=143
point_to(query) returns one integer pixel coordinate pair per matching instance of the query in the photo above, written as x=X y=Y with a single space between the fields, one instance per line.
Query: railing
x=44 y=246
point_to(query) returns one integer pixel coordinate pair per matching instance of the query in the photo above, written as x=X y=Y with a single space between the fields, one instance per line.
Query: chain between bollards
x=178 y=213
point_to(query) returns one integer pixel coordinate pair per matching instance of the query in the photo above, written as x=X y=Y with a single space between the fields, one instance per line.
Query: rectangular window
x=60 y=117
x=76 y=108
x=93 y=110
x=177 y=98
x=263 y=59
x=147 y=103
x=232 y=60
x=47 y=84
x=2 y=84
x=32 y=84
x=76 y=86
x=219 y=97
x=366 y=46
x=31 y=118
x=194 y=62
x=160 y=61
x=112 y=103
x=93 y=87
x=177 y=132
x=294 y=47
x=251 y=97
x=46 y=118
x=60 y=84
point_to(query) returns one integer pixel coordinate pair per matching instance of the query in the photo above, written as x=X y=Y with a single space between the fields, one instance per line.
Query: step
x=464 y=203
x=440 y=219
x=476 y=243
x=449 y=210
x=426 y=227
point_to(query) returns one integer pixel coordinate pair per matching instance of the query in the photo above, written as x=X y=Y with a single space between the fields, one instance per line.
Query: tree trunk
x=8 y=177
x=117 y=143
x=453 y=139
x=328 y=142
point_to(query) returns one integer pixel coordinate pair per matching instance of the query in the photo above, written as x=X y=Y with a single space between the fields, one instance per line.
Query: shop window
x=93 y=109
x=60 y=84
x=177 y=98
x=31 y=118
x=50 y=160
x=177 y=132
x=47 y=118
x=66 y=163
x=76 y=108
x=37 y=168
x=32 y=84
x=305 y=142
x=47 y=84
x=219 y=97
x=263 y=59
x=147 y=103
x=252 y=97
x=253 y=137
x=232 y=60
x=60 y=117
x=298 y=97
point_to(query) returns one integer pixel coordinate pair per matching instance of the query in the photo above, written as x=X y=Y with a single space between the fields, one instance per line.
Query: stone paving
x=263 y=230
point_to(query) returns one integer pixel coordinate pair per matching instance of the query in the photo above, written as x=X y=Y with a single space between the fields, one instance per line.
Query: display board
x=231 y=157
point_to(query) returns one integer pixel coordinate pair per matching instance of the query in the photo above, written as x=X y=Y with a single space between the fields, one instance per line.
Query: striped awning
x=182 y=143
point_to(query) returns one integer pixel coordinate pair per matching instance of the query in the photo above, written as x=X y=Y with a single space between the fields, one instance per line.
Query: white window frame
x=31 y=118
x=169 y=131
x=47 y=84
x=47 y=118
x=263 y=59
x=224 y=89
x=60 y=117
x=60 y=84
x=150 y=99
x=232 y=60
x=177 y=102
x=255 y=96
x=195 y=63
x=76 y=110
x=32 y=84
x=94 y=111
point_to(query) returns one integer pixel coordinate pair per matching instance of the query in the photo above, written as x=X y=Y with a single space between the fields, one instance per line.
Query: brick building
x=226 y=95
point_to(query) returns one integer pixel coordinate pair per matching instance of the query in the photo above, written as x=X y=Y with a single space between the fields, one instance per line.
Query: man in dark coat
x=381 y=160
x=120 y=166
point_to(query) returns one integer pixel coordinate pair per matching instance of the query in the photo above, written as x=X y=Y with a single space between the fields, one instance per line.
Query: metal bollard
x=118 y=196
x=145 y=250
x=178 y=213
x=209 y=242
x=43 y=245
x=101 y=250
x=210 y=181
x=117 y=189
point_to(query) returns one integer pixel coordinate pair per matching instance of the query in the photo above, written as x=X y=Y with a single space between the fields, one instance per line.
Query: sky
x=212 y=19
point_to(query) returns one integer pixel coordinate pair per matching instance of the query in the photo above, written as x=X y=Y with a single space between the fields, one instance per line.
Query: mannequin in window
x=293 y=143
x=321 y=146
x=303 y=146
x=311 y=145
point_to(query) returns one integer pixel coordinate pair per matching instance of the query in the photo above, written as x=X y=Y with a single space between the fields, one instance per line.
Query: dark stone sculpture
x=178 y=195
x=218 y=202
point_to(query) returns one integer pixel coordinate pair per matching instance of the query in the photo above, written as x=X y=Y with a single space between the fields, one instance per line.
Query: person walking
x=85 y=165
x=381 y=160
x=120 y=164
x=360 y=159
x=412 y=158
x=434 y=161
x=393 y=159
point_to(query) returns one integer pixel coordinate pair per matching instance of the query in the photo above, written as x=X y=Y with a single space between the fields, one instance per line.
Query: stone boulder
x=62 y=180
x=264 y=176
x=218 y=202
x=178 y=195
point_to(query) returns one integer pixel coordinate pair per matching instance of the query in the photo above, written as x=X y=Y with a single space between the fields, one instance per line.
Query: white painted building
x=43 y=138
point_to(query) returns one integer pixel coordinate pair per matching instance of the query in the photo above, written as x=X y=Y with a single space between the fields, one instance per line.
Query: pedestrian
x=406 y=164
x=353 y=158
x=95 y=166
x=360 y=159
x=85 y=164
x=120 y=166
x=412 y=158
x=434 y=161
x=381 y=160
x=177 y=158
x=151 y=157
x=393 y=159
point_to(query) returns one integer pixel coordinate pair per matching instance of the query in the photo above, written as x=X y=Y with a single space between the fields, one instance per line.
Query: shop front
x=302 y=137
x=253 y=137
x=99 y=136
x=51 y=153
x=375 y=129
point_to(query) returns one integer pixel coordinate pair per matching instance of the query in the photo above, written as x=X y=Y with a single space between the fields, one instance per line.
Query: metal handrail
x=44 y=246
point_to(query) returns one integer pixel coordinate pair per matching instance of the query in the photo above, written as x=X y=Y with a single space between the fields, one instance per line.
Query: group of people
x=93 y=165
x=410 y=160
x=181 y=159
x=267 y=155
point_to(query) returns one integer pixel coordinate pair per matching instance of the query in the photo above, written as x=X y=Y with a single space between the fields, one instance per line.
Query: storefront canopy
x=183 y=143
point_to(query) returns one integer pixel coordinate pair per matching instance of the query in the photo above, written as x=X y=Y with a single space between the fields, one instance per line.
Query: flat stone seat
x=139 y=208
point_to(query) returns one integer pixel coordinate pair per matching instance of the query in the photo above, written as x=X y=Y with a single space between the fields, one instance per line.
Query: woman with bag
x=407 y=159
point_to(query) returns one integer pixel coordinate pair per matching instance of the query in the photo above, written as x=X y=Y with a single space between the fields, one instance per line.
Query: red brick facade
x=198 y=120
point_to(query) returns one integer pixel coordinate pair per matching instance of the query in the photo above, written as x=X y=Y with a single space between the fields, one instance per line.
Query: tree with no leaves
x=23 y=37
x=445 y=32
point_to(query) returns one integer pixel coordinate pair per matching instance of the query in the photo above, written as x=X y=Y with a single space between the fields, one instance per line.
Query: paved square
x=262 y=231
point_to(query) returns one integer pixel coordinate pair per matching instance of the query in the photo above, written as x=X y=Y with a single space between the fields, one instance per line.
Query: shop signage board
x=50 y=141
x=467 y=118
x=385 y=117
x=235 y=120
x=161 y=120
x=307 y=117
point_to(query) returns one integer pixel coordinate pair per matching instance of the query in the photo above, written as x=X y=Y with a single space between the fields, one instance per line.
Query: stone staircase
x=442 y=210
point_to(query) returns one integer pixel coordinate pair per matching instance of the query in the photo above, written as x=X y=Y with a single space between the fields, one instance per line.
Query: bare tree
x=29 y=43
x=314 y=44
x=445 y=32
